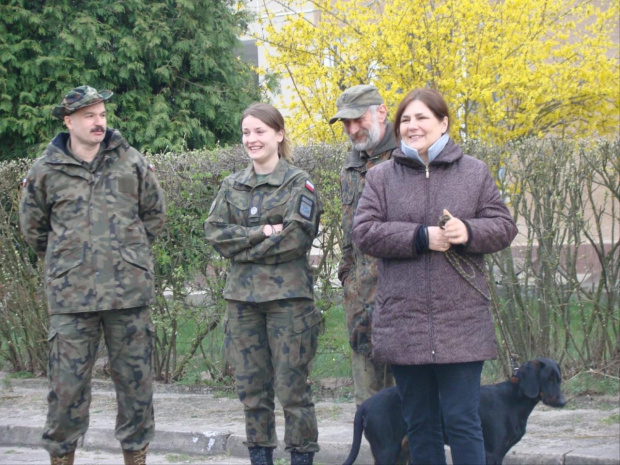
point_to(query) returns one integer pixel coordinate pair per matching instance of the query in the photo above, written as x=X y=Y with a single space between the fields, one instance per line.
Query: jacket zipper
x=428 y=280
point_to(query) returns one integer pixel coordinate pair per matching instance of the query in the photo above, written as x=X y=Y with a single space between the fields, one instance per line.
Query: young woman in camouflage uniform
x=264 y=220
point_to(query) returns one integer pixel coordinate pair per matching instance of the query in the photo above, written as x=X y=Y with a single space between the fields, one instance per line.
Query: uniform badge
x=253 y=210
x=310 y=186
x=24 y=182
x=306 y=207
x=151 y=167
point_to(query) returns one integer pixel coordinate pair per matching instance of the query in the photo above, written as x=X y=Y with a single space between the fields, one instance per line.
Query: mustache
x=361 y=132
x=98 y=128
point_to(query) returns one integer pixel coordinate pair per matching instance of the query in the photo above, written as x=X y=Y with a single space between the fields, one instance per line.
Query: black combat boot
x=301 y=458
x=261 y=455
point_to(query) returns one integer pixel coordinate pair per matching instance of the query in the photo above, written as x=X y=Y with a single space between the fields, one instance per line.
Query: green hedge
x=564 y=194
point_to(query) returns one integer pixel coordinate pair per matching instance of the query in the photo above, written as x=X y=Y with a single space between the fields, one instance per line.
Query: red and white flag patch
x=24 y=182
x=310 y=186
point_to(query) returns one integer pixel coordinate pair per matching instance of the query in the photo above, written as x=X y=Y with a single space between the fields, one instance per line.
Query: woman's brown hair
x=429 y=97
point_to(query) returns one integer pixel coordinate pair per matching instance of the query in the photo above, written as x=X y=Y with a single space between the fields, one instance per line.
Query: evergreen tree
x=172 y=65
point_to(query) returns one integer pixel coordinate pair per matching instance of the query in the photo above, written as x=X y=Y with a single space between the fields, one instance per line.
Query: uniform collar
x=58 y=154
x=275 y=178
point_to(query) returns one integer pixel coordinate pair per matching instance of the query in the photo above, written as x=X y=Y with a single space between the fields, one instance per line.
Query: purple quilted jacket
x=425 y=311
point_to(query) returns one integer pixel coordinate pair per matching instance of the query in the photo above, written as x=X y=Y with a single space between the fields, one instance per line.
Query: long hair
x=429 y=97
x=270 y=115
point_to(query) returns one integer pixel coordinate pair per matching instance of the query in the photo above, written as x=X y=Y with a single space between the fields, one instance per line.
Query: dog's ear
x=529 y=379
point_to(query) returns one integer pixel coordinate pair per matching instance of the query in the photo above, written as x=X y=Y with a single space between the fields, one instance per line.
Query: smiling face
x=87 y=126
x=260 y=141
x=420 y=128
x=366 y=132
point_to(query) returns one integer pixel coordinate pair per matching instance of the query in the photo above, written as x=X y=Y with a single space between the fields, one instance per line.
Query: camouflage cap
x=79 y=97
x=354 y=102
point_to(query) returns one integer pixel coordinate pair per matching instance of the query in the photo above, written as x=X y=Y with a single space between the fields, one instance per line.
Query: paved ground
x=199 y=427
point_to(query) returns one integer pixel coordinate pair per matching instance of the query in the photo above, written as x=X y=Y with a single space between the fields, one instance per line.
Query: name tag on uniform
x=306 y=207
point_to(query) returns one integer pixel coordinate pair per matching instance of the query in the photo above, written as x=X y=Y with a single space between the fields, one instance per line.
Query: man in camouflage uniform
x=272 y=325
x=91 y=206
x=364 y=116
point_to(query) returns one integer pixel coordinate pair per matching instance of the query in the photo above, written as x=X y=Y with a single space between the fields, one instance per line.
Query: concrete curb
x=213 y=443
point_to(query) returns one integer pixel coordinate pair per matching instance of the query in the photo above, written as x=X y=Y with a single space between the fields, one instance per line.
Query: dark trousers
x=451 y=391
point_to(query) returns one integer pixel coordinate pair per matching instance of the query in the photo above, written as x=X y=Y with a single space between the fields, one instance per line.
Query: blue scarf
x=433 y=150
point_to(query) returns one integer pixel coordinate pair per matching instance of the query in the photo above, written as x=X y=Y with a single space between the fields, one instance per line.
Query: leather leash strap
x=457 y=261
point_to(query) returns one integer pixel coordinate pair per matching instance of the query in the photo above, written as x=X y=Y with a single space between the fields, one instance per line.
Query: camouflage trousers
x=369 y=377
x=73 y=343
x=270 y=345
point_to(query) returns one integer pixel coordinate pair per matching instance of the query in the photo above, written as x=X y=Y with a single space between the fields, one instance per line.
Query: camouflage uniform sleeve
x=34 y=215
x=152 y=206
x=227 y=238
x=295 y=239
x=347 y=259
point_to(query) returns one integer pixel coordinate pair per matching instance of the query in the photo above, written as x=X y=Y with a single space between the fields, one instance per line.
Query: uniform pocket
x=53 y=352
x=304 y=338
x=63 y=261
x=139 y=259
x=240 y=201
x=229 y=346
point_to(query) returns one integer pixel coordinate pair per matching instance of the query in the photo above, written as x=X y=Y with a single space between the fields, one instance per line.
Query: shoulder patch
x=306 y=207
x=310 y=186
x=24 y=182
x=151 y=167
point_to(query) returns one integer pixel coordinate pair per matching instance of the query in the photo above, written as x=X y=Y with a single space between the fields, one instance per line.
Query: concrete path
x=194 y=425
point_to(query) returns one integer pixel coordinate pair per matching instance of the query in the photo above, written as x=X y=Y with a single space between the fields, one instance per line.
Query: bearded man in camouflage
x=364 y=116
x=91 y=207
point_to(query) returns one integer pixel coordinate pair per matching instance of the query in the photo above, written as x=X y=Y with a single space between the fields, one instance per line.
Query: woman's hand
x=270 y=229
x=437 y=239
x=455 y=230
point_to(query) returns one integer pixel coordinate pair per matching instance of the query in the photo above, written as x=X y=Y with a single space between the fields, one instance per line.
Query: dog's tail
x=358 y=430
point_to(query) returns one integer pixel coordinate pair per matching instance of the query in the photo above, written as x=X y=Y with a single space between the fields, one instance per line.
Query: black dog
x=504 y=410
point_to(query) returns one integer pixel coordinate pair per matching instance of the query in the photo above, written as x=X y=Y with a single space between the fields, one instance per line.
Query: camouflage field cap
x=354 y=102
x=79 y=97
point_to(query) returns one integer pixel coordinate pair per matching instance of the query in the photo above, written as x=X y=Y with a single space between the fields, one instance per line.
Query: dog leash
x=457 y=262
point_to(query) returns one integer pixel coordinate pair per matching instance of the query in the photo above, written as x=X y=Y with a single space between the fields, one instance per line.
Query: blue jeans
x=451 y=391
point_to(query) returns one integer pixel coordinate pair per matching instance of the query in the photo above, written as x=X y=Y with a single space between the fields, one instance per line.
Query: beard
x=372 y=136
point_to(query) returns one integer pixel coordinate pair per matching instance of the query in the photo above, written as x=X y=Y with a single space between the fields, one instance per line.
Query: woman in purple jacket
x=432 y=318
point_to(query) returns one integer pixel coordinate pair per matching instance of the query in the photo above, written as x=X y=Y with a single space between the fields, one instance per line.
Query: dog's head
x=541 y=379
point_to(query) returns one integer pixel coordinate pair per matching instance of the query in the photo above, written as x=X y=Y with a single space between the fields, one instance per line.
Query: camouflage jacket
x=93 y=228
x=358 y=272
x=265 y=268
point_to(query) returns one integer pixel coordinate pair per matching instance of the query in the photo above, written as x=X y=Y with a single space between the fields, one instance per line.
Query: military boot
x=302 y=458
x=66 y=459
x=261 y=455
x=135 y=457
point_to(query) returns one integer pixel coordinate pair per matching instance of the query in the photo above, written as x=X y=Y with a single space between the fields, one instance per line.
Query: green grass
x=20 y=375
x=331 y=361
x=591 y=383
x=333 y=355
x=611 y=420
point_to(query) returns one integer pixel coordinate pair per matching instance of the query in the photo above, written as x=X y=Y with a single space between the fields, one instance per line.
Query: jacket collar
x=357 y=159
x=57 y=153
x=448 y=155
x=275 y=178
